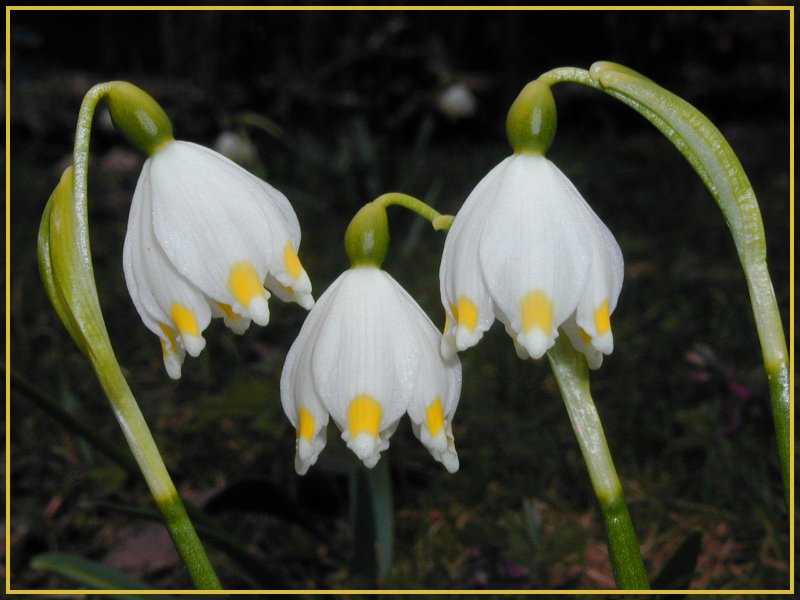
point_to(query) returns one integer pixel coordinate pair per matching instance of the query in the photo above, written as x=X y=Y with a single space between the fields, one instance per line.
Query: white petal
x=447 y=345
x=274 y=204
x=437 y=386
x=534 y=251
x=136 y=239
x=169 y=305
x=366 y=352
x=442 y=446
x=210 y=215
x=522 y=352
x=206 y=216
x=361 y=348
x=235 y=322
x=580 y=341
x=257 y=309
x=283 y=204
x=300 y=293
x=173 y=361
x=449 y=458
x=298 y=391
x=603 y=285
x=463 y=288
x=286 y=275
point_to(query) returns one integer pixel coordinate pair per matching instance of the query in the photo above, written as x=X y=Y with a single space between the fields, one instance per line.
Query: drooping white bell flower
x=207 y=238
x=527 y=249
x=366 y=355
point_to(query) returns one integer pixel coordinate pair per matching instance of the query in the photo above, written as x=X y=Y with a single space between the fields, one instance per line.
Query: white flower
x=204 y=238
x=236 y=147
x=366 y=355
x=457 y=101
x=527 y=249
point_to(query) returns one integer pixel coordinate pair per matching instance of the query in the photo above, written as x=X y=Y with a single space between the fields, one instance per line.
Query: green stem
x=71 y=273
x=371 y=513
x=572 y=375
x=379 y=482
x=257 y=121
x=439 y=221
x=155 y=473
x=713 y=159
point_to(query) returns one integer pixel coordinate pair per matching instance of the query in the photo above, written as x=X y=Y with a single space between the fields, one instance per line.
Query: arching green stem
x=367 y=237
x=713 y=159
x=65 y=264
x=572 y=375
x=439 y=221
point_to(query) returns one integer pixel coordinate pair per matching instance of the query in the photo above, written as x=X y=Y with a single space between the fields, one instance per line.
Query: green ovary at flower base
x=366 y=355
x=205 y=239
x=527 y=248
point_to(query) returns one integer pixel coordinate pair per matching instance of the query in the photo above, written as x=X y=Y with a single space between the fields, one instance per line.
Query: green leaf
x=713 y=159
x=64 y=188
x=70 y=271
x=92 y=575
x=700 y=142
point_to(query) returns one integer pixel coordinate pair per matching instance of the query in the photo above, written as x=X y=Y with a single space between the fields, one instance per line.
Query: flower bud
x=531 y=121
x=366 y=240
x=139 y=117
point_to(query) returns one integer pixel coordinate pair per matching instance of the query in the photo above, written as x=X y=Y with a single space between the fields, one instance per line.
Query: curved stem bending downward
x=713 y=159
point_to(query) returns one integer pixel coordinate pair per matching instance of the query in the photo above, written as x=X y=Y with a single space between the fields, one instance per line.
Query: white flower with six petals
x=366 y=355
x=204 y=239
x=527 y=248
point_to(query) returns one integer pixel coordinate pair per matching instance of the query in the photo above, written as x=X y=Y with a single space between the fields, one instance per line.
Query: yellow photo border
x=10 y=591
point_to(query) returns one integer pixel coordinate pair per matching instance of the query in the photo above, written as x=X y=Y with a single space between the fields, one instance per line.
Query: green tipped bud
x=531 y=121
x=606 y=72
x=366 y=240
x=140 y=118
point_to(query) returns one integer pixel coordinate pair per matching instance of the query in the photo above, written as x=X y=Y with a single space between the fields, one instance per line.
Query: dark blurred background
x=334 y=108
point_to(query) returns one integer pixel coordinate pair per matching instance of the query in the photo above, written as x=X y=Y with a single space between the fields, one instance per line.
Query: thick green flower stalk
x=572 y=375
x=66 y=269
x=713 y=159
